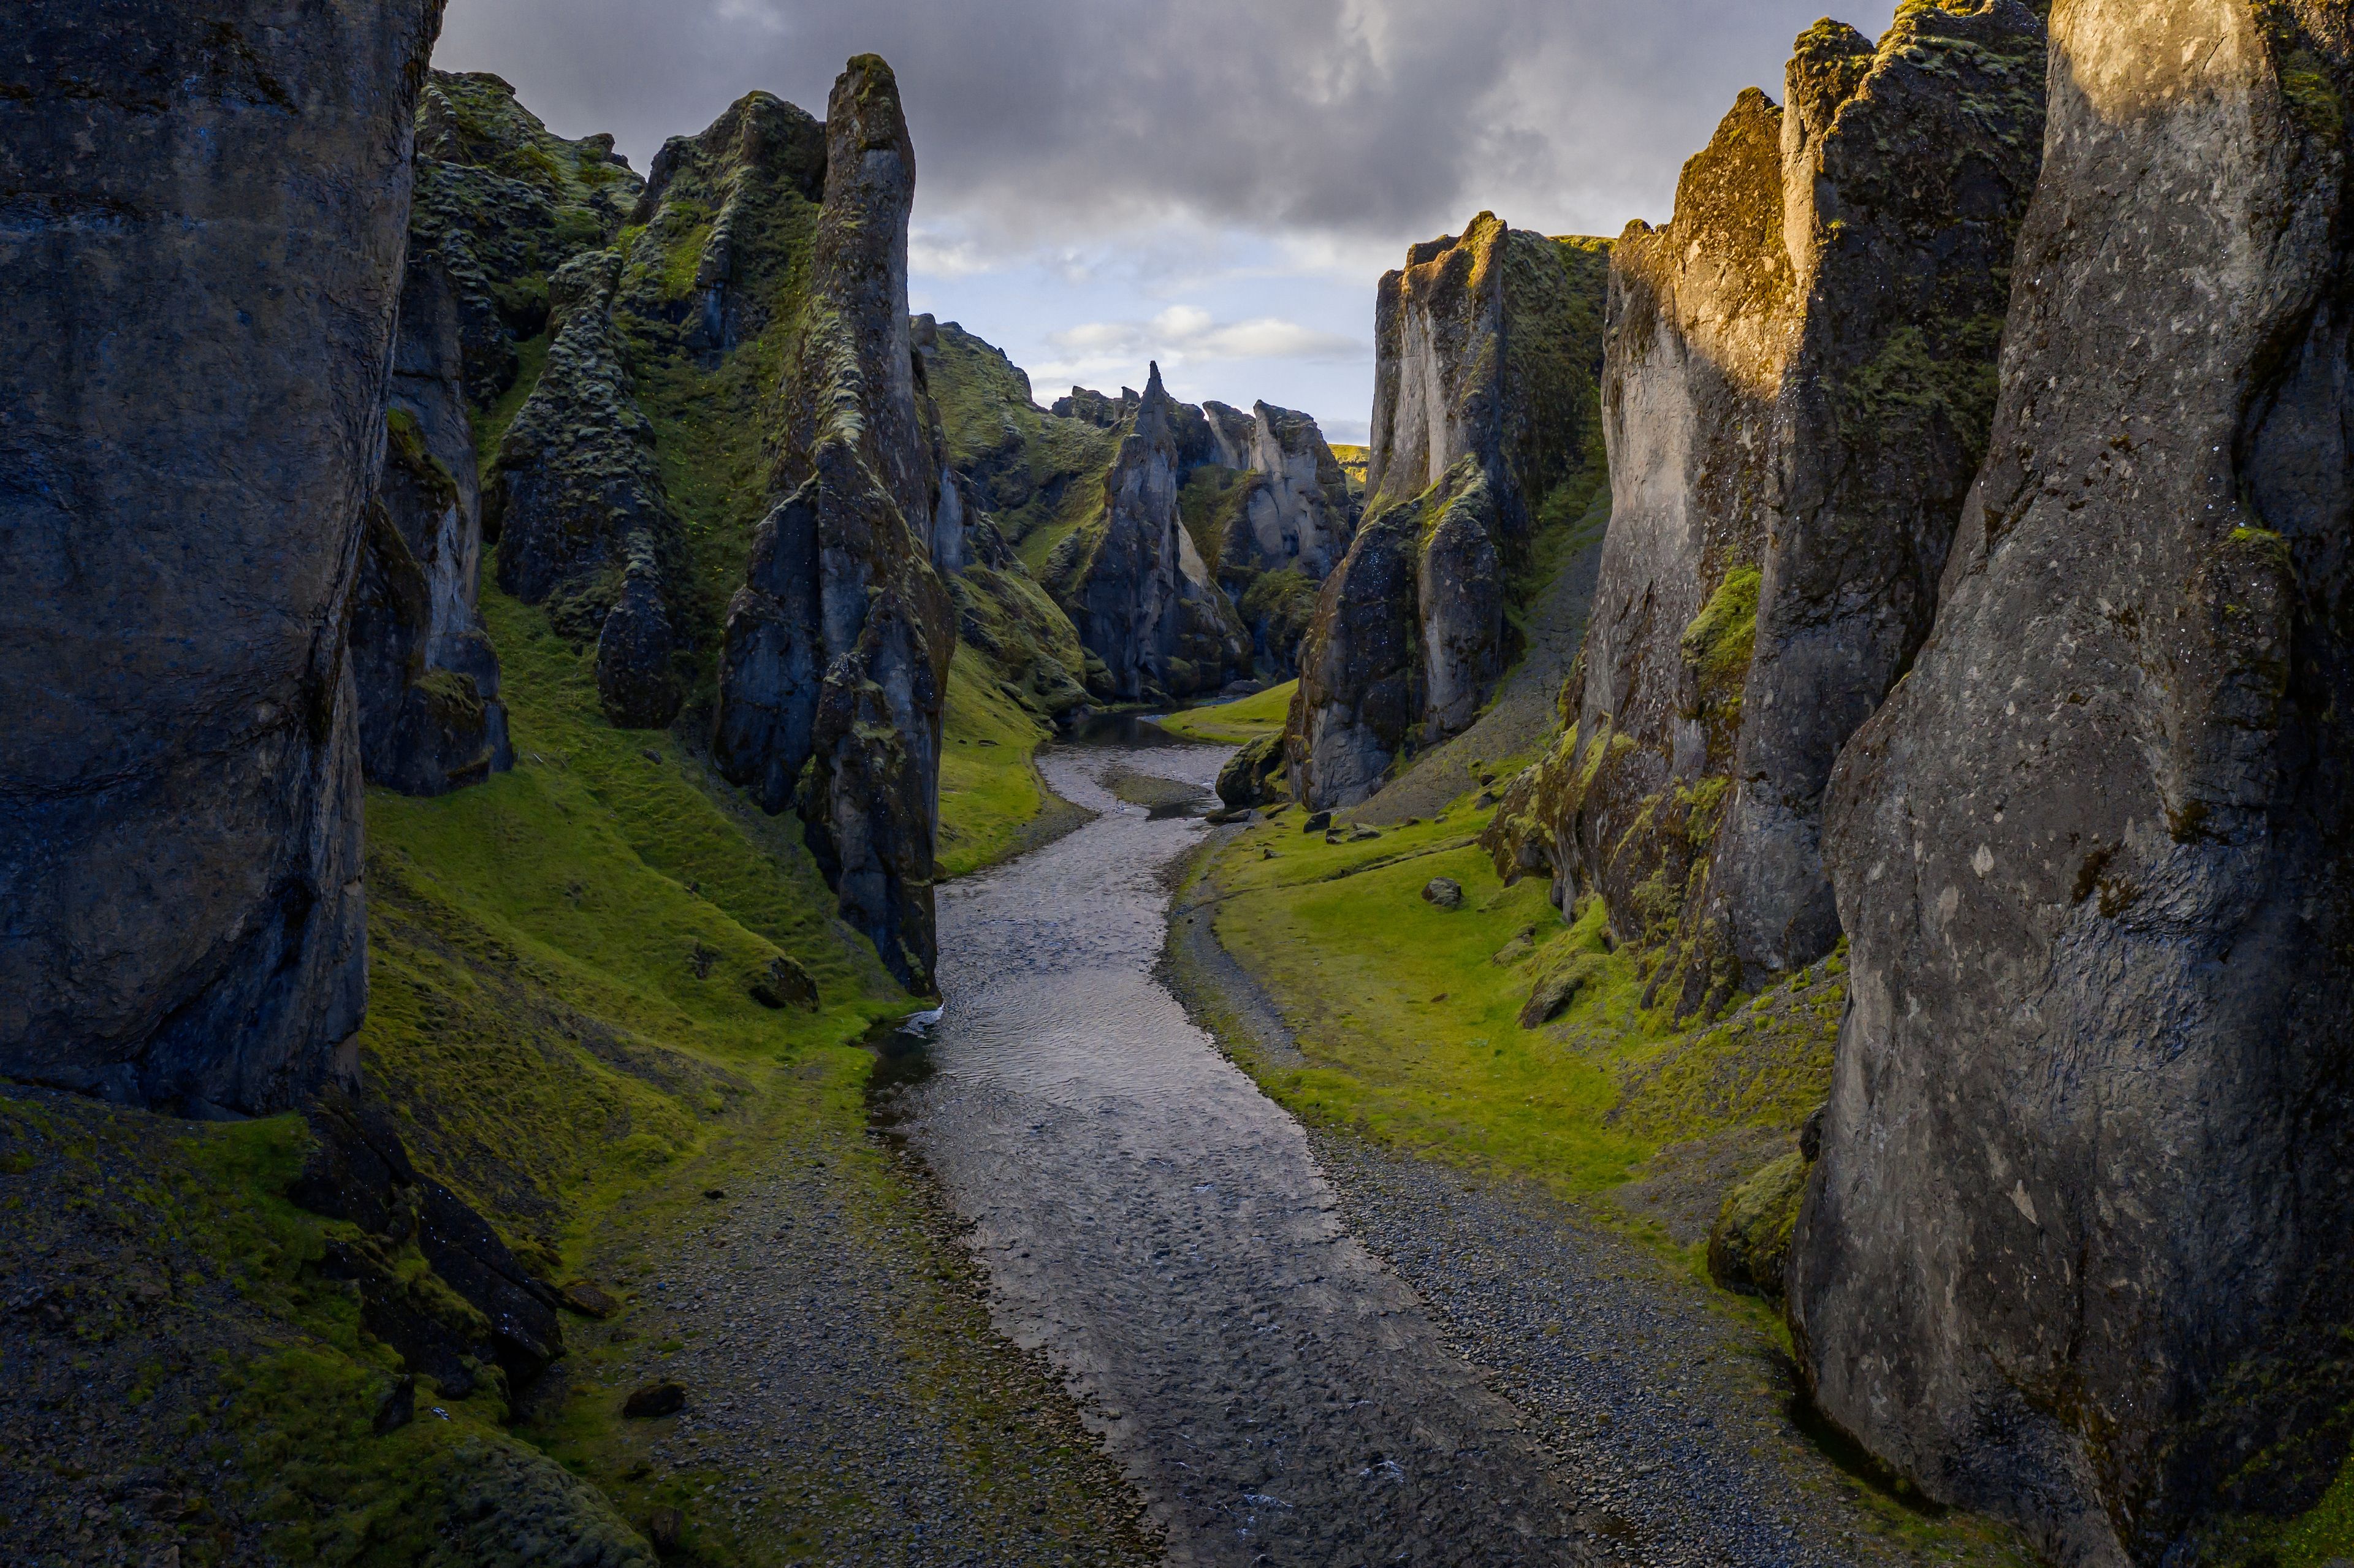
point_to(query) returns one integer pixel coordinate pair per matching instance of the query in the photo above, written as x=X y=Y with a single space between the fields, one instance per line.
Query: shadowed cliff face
x=2076 y=1248
x=1143 y=597
x=836 y=662
x=199 y=279
x=1483 y=409
x=1799 y=379
x=424 y=672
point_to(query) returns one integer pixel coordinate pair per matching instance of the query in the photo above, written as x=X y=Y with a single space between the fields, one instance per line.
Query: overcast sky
x=1218 y=184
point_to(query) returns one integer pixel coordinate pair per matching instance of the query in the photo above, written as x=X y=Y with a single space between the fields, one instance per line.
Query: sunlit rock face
x=2076 y=1249
x=1484 y=411
x=835 y=663
x=198 y=282
x=1801 y=376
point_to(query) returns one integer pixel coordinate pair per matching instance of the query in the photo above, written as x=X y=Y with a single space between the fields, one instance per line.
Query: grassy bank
x=1409 y=1017
x=1236 y=722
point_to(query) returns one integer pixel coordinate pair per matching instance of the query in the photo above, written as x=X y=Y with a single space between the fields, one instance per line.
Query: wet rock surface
x=187 y=447
x=2076 y=1248
x=1161 y=1230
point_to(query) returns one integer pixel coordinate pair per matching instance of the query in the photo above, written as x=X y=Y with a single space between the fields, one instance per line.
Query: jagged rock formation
x=186 y=463
x=584 y=521
x=1093 y=408
x=2076 y=1251
x=501 y=205
x=1484 y=412
x=1135 y=583
x=1798 y=383
x=837 y=647
x=425 y=672
x=1269 y=507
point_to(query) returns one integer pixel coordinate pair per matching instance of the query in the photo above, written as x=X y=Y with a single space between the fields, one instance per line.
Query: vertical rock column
x=835 y=666
x=199 y=270
x=2076 y=1248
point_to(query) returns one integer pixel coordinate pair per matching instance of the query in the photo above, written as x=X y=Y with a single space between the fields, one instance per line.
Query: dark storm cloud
x=1042 y=122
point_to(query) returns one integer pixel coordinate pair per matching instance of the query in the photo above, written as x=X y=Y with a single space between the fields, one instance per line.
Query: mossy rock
x=1560 y=987
x=1749 y=1250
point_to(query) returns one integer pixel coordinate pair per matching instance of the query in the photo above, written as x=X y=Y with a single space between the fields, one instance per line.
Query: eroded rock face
x=1484 y=410
x=503 y=203
x=585 y=523
x=1799 y=377
x=424 y=672
x=836 y=662
x=188 y=445
x=1136 y=583
x=2076 y=1248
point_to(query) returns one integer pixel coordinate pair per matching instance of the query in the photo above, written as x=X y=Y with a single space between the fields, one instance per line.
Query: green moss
x=491 y=424
x=1722 y=639
x=1236 y=722
x=990 y=794
x=2312 y=97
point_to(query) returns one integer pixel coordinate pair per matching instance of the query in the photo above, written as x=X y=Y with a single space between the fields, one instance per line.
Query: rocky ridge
x=1484 y=427
x=1797 y=394
x=2076 y=1249
x=837 y=647
x=183 y=512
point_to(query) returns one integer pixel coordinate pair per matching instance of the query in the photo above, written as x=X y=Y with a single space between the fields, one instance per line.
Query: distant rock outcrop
x=1800 y=373
x=1485 y=410
x=427 y=676
x=1145 y=601
x=189 y=441
x=2076 y=1249
x=836 y=658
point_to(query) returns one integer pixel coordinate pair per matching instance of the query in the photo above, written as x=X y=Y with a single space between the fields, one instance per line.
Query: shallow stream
x=1162 y=1232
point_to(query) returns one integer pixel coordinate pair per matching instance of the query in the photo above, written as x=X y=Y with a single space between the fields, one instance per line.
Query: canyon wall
x=1134 y=580
x=1484 y=411
x=2076 y=1250
x=837 y=654
x=199 y=280
x=1800 y=373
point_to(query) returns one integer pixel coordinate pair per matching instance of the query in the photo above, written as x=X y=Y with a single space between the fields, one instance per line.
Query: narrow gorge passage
x=1163 y=1231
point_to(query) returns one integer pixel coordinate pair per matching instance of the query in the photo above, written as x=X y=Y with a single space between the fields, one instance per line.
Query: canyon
x=654 y=916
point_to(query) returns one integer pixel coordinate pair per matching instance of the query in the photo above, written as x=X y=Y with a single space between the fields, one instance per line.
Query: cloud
x=1186 y=335
x=1065 y=124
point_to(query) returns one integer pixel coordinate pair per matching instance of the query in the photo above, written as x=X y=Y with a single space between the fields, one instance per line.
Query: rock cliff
x=837 y=647
x=1145 y=601
x=1485 y=429
x=2075 y=1251
x=424 y=670
x=1800 y=375
x=199 y=276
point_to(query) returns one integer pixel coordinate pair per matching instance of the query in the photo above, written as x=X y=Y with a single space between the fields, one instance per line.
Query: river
x=1162 y=1232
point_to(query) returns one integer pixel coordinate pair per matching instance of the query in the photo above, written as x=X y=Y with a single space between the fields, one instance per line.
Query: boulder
x=835 y=662
x=1484 y=411
x=1445 y=892
x=1558 y=987
x=2076 y=1249
x=1749 y=1247
x=1800 y=378
x=198 y=281
x=1253 y=776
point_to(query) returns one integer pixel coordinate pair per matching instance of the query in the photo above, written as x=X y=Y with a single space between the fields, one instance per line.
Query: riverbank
x=1665 y=1409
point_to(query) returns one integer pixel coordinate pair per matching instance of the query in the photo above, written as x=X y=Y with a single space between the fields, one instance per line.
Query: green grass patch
x=1236 y=722
x=990 y=789
x=1410 y=1014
